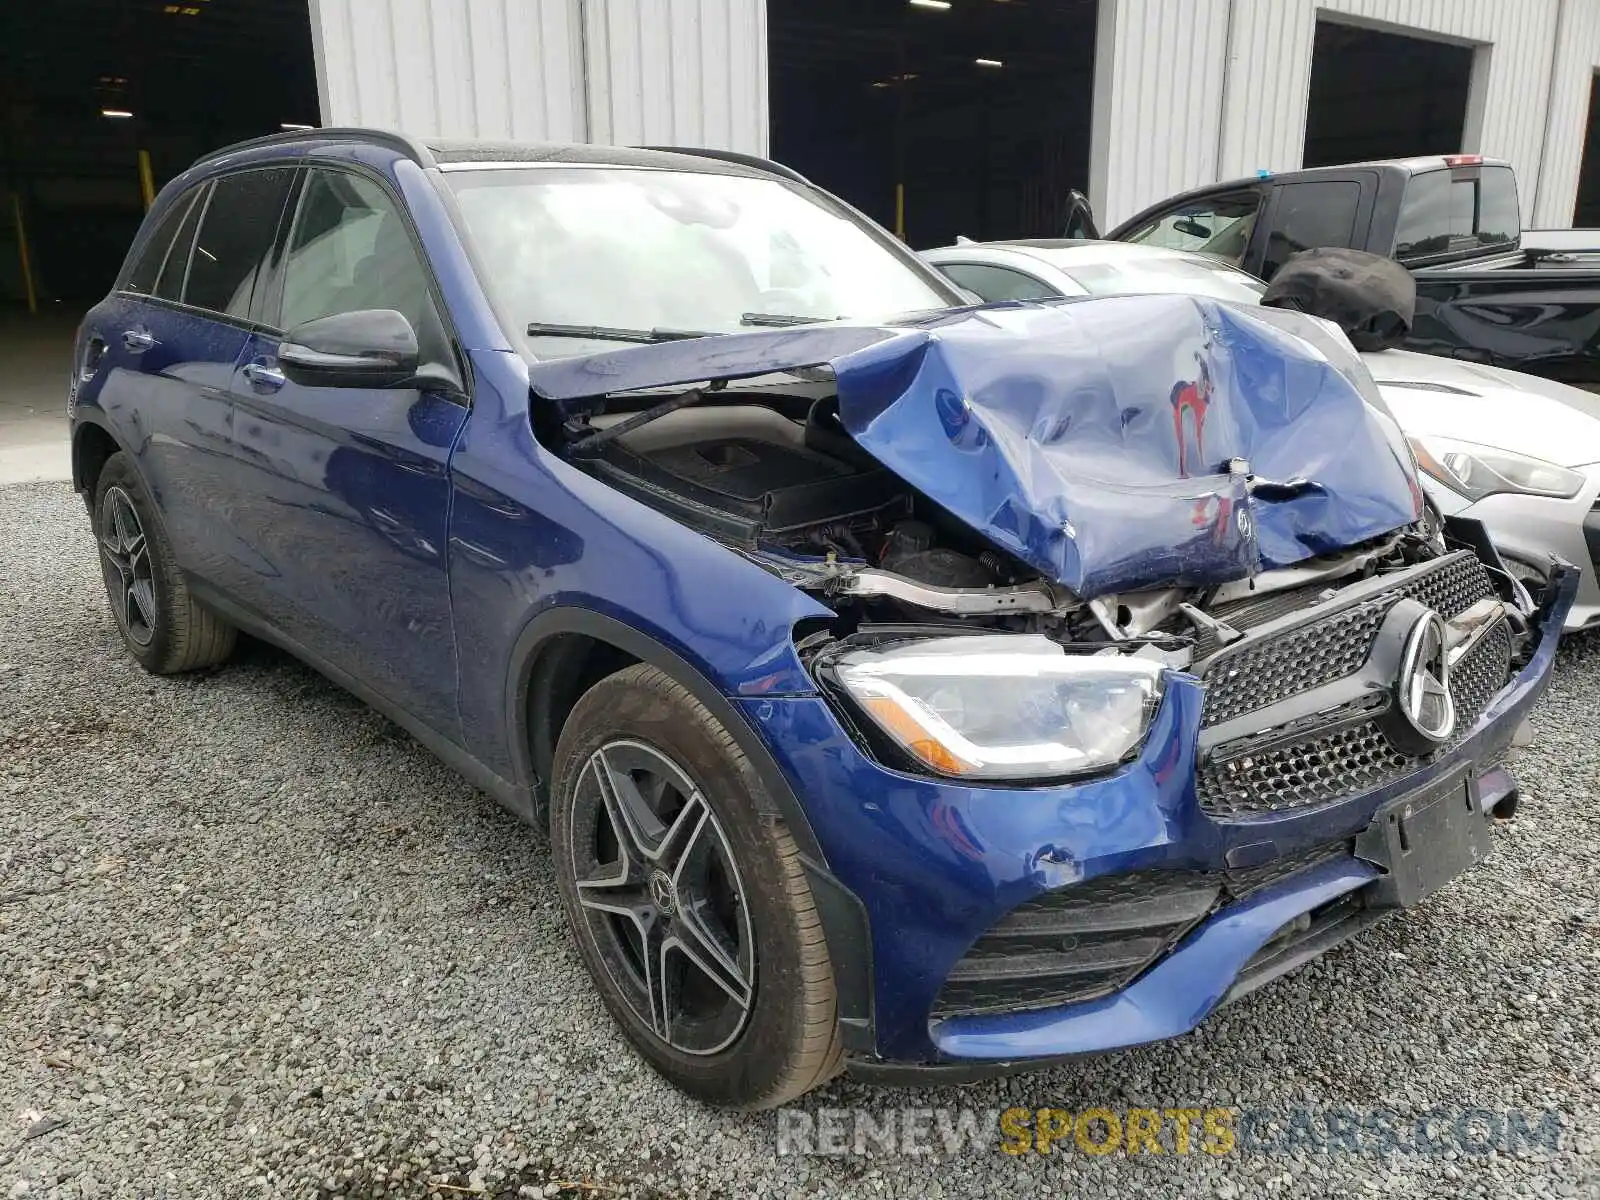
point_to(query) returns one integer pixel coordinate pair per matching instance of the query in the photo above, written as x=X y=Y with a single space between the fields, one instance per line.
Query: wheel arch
x=567 y=642
x=566 y=650
x=92 y=447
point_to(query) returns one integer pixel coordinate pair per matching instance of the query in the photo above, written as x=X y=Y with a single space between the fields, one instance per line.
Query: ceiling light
x=937 y=5
x=988 y=62
x=120 y=114
x=295 y=128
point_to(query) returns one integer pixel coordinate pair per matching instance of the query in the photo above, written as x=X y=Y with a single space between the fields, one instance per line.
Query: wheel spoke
x=678 y=843
x=126 y=522
x=705 y=953
x=625 y=805
x=658 y=983
x=141 y=596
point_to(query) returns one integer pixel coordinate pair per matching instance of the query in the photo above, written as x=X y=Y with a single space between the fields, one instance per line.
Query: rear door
x=1327 y=211
x=344 y=496
x=174 y=336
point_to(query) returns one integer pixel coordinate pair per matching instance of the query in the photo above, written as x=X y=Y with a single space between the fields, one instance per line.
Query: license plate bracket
x=1424 y=839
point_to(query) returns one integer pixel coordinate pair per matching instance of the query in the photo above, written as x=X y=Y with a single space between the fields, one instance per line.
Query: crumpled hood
x=1092 y=438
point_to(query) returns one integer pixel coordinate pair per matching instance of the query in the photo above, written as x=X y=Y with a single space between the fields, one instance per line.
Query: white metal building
x=1184 y=91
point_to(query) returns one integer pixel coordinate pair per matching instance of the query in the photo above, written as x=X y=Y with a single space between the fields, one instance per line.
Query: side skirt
x=517 y=799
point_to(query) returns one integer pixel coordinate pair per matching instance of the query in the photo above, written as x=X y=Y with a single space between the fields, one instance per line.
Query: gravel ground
x=254 y=941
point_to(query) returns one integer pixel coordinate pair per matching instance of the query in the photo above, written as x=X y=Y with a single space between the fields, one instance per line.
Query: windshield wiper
x=606 y=333
x=779 y=320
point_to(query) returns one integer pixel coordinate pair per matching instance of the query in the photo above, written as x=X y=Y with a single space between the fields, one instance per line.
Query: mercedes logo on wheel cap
x=662 y=894
x=1422 y=691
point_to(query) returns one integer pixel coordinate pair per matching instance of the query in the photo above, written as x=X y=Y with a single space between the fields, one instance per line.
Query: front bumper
x=936 y=865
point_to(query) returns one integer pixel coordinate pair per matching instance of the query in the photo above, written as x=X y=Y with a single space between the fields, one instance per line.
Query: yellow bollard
x=22 y=250
x=147 y=183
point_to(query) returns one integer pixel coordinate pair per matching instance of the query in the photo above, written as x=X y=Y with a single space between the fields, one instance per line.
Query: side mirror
x=369 y=348
x=1080 y=218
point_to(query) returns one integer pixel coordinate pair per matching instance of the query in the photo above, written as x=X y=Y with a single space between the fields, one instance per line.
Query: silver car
x=1519 y=453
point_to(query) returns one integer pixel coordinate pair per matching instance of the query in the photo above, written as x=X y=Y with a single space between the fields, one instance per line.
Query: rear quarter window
x=1454 y=210
x=145 y=268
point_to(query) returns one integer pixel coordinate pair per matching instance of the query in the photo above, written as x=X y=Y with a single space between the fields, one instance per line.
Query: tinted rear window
x=235 y=237
x=169 y=285
x=1453 y=210
x=146 y=268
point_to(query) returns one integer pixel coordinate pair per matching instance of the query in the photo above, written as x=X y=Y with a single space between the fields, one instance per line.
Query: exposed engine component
x=780 y=479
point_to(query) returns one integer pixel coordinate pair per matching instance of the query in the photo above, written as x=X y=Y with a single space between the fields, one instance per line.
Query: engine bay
x=772 y=474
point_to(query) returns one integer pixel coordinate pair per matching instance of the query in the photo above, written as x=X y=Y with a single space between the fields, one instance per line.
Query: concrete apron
x=35 y=356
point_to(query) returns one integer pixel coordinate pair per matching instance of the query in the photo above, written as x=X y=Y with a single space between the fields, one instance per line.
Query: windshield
x=615 y=249
x=1155 y=273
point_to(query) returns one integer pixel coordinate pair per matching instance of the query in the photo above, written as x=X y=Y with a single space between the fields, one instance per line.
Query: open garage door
x=937 y=119
x=1376 y=94
x=98 y=96
x=1587 y=213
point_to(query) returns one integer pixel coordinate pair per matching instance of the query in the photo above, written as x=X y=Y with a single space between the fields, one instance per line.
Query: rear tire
x=749 y=1019
x=161 y=623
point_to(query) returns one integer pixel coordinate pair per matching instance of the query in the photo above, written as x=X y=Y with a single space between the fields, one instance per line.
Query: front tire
x=162 y=625
x=691 y=911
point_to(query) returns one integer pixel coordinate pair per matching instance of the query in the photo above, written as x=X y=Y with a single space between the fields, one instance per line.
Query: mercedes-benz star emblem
x=662 y=894
x=1423 y=689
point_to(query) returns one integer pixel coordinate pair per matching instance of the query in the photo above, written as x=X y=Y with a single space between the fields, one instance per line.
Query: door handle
x=138 y=340
x=264 y=378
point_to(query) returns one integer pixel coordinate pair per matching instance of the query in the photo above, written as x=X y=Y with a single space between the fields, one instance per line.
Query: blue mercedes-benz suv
x=904 y=683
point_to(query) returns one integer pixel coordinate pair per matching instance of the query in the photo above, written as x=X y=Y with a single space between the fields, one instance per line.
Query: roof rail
x=410 y=147
x=733 y=156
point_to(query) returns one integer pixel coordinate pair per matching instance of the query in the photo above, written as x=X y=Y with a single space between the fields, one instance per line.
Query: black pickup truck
x=1485 y=290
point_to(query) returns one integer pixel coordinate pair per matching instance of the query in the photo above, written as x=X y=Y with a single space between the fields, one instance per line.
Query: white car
x=1519 y=453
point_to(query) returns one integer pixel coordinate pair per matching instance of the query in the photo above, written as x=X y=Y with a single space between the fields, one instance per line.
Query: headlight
x=1478 y=471
x=1003 y=706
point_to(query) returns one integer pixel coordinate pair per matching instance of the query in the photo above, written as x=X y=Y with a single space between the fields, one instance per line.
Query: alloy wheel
x=125 y=561
x=660 y=890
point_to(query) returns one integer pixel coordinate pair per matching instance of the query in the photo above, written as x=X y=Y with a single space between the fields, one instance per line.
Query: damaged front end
x=1153 y=472
x=1142 y=642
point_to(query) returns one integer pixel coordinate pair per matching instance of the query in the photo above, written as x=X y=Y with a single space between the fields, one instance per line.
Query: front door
x=345 y=495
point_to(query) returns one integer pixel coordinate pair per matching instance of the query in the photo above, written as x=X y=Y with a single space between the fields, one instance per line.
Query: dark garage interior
x=1384 y=95
x=189 y=76
x=870 y=94
x=1587 y=215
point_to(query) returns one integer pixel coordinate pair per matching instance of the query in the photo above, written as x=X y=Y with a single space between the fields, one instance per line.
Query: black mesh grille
x=1077 y=943
x=1255 y=675
x=1481 y=674
x=1084 y=941
x=1259 y=675
x=1344 y=761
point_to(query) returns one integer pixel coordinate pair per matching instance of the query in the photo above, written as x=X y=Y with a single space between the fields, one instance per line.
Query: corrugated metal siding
x=457 y=68
x=690 y=72
x=1577 y=58
x=1158 y=87
x=1157 y=84
x=678 y=72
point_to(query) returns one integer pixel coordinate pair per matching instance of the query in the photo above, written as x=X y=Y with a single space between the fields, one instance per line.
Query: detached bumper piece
x=1089 y=940
x=1299 y=712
